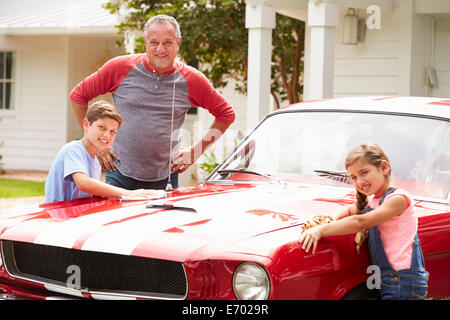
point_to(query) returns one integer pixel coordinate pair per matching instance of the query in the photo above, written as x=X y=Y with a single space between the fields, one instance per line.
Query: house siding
x=47 y=69
x=32 y=132
x=85 y=56
x=377 y=65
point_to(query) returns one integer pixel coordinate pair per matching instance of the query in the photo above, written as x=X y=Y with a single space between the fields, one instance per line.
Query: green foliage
x=210 y=162
x=213 y=32
x=287 y=67
x=215 y=41
x=11 y=188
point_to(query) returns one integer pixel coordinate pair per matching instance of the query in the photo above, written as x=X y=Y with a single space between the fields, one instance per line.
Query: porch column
x=319 y=65
x=259 y=20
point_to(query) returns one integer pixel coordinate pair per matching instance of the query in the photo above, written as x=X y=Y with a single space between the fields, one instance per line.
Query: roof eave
x=105 y=30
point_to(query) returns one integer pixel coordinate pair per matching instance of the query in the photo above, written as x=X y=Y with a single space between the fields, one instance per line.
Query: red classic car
x=235 y=236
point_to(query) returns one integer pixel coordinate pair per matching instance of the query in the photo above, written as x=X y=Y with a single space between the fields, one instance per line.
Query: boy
x=75 y=172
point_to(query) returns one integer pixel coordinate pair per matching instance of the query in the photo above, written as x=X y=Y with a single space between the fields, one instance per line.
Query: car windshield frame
x=339 y=179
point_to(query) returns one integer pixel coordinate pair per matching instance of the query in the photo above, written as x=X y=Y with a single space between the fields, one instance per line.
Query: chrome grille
x=99 y=271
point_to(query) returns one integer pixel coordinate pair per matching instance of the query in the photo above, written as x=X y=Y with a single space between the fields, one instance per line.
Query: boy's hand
x=145 y=193
x=106 y=158
x=309 y=238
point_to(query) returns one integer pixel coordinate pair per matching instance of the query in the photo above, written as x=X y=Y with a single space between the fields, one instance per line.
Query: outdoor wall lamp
x=350 y=27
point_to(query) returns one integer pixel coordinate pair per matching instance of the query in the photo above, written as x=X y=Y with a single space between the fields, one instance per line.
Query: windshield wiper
x=243 y=170
x=340 y=176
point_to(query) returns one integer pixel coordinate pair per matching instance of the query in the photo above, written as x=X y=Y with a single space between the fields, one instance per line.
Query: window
x=7 y=80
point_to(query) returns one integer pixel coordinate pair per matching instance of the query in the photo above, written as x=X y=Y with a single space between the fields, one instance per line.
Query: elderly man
x=153 y=92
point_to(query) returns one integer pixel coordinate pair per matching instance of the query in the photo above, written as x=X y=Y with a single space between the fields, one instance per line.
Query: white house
x=51 y=46
x=47 y=46
x=404 y=48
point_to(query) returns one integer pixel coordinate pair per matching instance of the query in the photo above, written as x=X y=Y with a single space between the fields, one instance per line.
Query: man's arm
x=80 y=111
x=203 y=94
x=188 y=156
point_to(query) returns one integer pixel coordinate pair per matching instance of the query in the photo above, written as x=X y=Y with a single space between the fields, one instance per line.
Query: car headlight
x=251 y=282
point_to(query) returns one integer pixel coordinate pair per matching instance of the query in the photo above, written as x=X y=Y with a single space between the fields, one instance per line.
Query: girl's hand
x=310 y=237
x=317 y=220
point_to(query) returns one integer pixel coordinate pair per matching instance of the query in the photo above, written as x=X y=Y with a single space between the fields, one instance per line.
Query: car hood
x=190 y=224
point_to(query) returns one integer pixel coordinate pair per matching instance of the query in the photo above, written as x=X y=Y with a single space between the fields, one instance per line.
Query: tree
x=287 y=67
x=216 y=42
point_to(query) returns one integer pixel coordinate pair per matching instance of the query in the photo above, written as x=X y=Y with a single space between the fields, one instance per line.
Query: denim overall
x=406 y=284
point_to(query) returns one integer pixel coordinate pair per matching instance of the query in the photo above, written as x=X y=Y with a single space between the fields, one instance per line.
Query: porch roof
x=25 y=17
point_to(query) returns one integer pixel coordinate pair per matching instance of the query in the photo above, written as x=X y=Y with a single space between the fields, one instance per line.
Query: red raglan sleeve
x=203 y=94
x=104 y=80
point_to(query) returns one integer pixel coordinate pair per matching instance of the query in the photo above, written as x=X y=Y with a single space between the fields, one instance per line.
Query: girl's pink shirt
x=397 y=234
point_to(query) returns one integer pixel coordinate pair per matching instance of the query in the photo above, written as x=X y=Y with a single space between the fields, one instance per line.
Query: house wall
x=380 y=65
x=439 y=61
x=421 y=54
x=33 y=131
x=85 y=55
x=391 y=60
x=47 y=69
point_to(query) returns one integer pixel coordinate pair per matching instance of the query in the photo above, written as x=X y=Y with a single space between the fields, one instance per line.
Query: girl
x=389 y=214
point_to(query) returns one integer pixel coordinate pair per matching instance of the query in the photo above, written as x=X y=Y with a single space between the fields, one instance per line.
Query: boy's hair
x=371 y=153
x=103 y=109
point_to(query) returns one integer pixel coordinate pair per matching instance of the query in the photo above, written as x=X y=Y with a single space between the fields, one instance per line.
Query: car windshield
x=310 y=147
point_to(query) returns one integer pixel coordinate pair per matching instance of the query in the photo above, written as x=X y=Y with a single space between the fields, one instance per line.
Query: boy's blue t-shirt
x=73 y=157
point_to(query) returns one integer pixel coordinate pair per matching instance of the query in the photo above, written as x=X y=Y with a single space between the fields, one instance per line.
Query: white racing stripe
x=123 y=237
x=226 y=210
x=67 y=233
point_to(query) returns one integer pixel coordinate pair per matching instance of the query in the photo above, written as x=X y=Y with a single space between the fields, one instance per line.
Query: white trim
x=65 y=98
x=57 y=30
x=260 y=21
x=12 y=113
x=259 y=16
x=319 y=50
x=431 y=6
x=432 y=50
x=8 y=113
